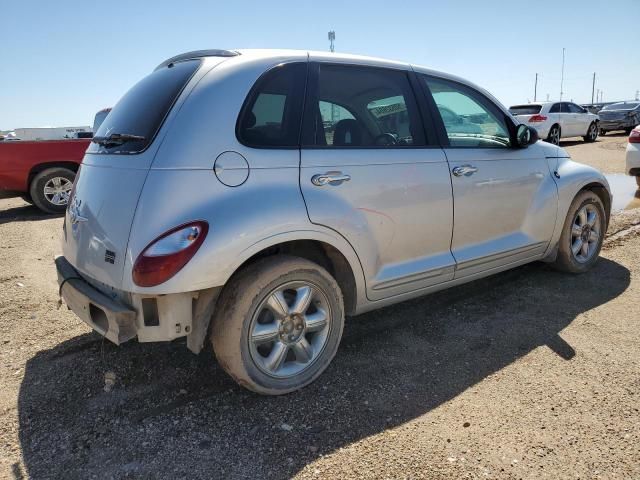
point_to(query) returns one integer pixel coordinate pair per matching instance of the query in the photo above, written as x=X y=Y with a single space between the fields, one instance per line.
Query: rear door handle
x=464 y=170
x=332 y=178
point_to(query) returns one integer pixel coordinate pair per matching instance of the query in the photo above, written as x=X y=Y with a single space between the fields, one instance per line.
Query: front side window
x=469 y=119
x=271 y=115
x=365 y=107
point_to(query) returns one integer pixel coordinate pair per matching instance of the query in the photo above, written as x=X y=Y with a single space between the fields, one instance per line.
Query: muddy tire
x=582 y=234
x=50 y=189
x=278 y=324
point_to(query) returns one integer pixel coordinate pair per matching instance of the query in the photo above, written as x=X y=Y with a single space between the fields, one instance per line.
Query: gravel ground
x=527 y=374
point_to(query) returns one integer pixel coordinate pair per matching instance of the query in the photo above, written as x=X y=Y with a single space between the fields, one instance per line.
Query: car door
x=505 y=201
x=558 y=115
x=580 y=119
x=369 y=173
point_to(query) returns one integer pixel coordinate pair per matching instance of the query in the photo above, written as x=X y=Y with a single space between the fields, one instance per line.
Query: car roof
x=322 y=56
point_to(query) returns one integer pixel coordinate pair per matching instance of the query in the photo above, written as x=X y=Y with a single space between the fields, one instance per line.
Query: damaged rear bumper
x=151 y=318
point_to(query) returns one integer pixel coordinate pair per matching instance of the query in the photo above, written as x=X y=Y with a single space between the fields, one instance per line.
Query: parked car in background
x=632 y=159
x=214 y=191
x=556 y=120
x=99 y=118
x=41 y=172
x=619 y=116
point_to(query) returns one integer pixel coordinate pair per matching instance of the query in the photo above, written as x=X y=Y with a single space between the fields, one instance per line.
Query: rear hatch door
x=107 y=188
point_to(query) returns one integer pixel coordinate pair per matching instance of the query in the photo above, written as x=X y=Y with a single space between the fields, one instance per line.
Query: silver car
x=255 y=198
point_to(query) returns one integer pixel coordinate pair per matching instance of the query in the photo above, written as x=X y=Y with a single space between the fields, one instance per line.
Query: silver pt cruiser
x=258 y=197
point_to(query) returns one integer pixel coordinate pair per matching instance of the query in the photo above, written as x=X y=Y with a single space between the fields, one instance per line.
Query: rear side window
x=142 y=110
x=271 y=114
x=365 y=107
x=525 y=109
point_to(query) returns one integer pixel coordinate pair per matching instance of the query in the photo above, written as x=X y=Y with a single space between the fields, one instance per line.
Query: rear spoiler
x=197 y=54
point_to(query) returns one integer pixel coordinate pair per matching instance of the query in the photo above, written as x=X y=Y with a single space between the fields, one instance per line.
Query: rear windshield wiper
x=118 y=139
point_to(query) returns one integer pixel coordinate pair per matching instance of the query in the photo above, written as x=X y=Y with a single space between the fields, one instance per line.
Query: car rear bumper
x=108 y=317
x=151 y=318
x=632 y=161
x=616 y=124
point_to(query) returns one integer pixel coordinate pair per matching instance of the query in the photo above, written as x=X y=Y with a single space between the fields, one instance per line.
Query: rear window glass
x=621 y=106
x=525 y=109
x=142 y=109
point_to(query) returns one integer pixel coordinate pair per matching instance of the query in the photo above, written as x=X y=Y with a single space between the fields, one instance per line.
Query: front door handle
x=332 y=178
x=464 y=170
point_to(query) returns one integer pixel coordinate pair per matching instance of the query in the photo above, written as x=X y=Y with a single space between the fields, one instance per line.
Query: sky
x=62 y=61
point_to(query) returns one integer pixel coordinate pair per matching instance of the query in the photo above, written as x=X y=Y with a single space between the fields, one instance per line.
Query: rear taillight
x=635 y=136
x=537 y=118
x=167 y=254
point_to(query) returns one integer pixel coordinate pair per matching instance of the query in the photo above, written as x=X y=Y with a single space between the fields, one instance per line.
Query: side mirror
x=526 y=136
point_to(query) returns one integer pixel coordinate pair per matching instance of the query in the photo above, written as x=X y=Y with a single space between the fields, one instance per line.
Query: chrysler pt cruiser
x=256 y=198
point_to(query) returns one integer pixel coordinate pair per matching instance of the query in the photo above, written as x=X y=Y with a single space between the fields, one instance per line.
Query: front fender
x=571 y=177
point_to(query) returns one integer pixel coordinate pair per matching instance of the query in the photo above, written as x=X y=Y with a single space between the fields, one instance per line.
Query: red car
x=42 y=171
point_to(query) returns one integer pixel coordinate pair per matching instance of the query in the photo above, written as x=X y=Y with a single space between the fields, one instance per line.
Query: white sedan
x=556 y=120
x=633 y=154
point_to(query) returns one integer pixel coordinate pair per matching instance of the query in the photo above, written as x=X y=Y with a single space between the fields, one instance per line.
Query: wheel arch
x=41 y=167
x=603 y=193
x=321 y=252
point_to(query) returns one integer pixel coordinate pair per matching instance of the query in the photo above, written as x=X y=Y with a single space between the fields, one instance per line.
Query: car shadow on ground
x=23 y=213
x=173 y=414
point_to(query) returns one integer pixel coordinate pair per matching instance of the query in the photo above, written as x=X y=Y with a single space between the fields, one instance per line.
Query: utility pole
x=637 y=95
x=593 y=86
x=562 y=76
x=535 y=89
x=332 y=37
x=598 y=95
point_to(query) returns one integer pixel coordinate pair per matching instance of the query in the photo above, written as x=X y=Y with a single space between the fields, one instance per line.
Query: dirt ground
x=606 y=154
x=527 y=374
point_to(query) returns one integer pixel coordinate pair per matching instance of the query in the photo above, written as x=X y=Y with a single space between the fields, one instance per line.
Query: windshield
x=622 y=106
x=525 y=109
x=138 y=115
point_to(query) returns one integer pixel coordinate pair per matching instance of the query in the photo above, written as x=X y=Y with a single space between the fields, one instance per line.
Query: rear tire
x=259 y=336
x=554 y=135
x=638 y=180
x=628 y=131
x=582 y=234
x=50 y=189
x=592 y=133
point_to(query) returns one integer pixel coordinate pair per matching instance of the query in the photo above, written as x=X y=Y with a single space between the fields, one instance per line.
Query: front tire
x=50 y=189
x=278 y=324
x=554 y=135
x=582 y=234
x=592 y=133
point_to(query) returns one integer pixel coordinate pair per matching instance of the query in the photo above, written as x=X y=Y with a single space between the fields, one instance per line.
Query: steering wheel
x=385 y=139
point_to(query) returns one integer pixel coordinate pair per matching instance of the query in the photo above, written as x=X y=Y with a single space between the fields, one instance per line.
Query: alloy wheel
x=554 y=136
x=289 y=329
x=585 y=233
x=57 y=190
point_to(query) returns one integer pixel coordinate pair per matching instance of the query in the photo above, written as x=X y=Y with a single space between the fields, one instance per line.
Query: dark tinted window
x=365 y=107
x=272 y=112
x=573 y=108
x=470 y=119
x=555 y=108
x=143 y=108
x=525 y=109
